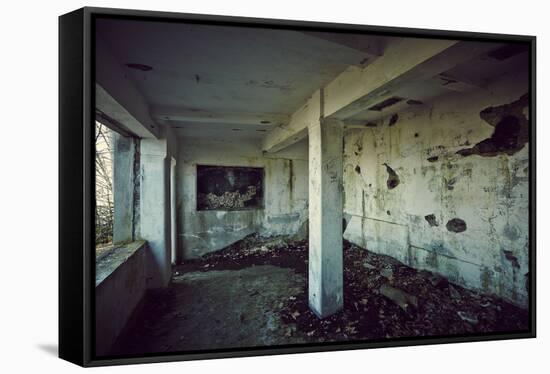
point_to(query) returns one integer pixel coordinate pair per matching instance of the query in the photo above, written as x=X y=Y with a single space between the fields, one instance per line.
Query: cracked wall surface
x=445 y=187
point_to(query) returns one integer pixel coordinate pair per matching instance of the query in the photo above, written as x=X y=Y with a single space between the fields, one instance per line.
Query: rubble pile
x=383 y=298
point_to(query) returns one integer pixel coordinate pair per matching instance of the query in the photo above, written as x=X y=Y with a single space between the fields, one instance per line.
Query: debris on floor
x=383 y=298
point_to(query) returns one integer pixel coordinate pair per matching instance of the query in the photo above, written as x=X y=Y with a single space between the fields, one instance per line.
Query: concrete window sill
x=108 y=263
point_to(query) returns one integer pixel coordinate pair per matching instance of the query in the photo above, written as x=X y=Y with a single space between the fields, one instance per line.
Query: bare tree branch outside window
x=104 y=211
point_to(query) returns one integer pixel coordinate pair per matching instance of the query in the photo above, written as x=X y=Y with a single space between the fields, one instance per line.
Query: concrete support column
x=154 y=206
x=325 y=217
x=123 y=188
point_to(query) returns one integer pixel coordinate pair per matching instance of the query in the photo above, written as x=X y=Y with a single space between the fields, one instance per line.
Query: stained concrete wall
x=124 y=188
x=444 y=187
x=155 y=208
x=154 y=202
x=285 y=204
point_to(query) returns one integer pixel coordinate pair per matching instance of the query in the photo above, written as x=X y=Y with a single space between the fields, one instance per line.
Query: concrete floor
x=216 y=309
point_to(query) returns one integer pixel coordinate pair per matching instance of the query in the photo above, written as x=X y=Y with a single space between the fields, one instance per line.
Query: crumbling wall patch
x=509 y=255
x=393 y=120
x=393 y=179
x=430 y=218
x=511 y=131
x=456 y=225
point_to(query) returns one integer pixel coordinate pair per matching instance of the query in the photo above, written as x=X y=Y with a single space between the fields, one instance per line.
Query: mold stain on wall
x=456 y=225
x=432 y=221
x=393 y=179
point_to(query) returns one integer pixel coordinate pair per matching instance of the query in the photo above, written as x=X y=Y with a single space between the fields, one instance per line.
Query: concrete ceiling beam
x=404 y=61
x=178 y=114
x=283 y=136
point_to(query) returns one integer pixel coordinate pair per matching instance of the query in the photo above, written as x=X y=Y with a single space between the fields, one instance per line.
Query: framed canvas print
x=235 y=186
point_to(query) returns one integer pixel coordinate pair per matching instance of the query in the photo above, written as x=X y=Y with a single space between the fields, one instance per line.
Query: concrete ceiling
x=225 y=69
x=230 y=82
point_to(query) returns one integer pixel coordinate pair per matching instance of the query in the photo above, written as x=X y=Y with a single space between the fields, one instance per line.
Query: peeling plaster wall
x=410 y=195
x=285 y=203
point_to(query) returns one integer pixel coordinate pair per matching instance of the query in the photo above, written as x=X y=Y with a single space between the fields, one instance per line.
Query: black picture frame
x=76 y=170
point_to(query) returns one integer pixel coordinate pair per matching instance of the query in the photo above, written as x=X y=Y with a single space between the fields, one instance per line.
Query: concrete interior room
x=275 y=186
